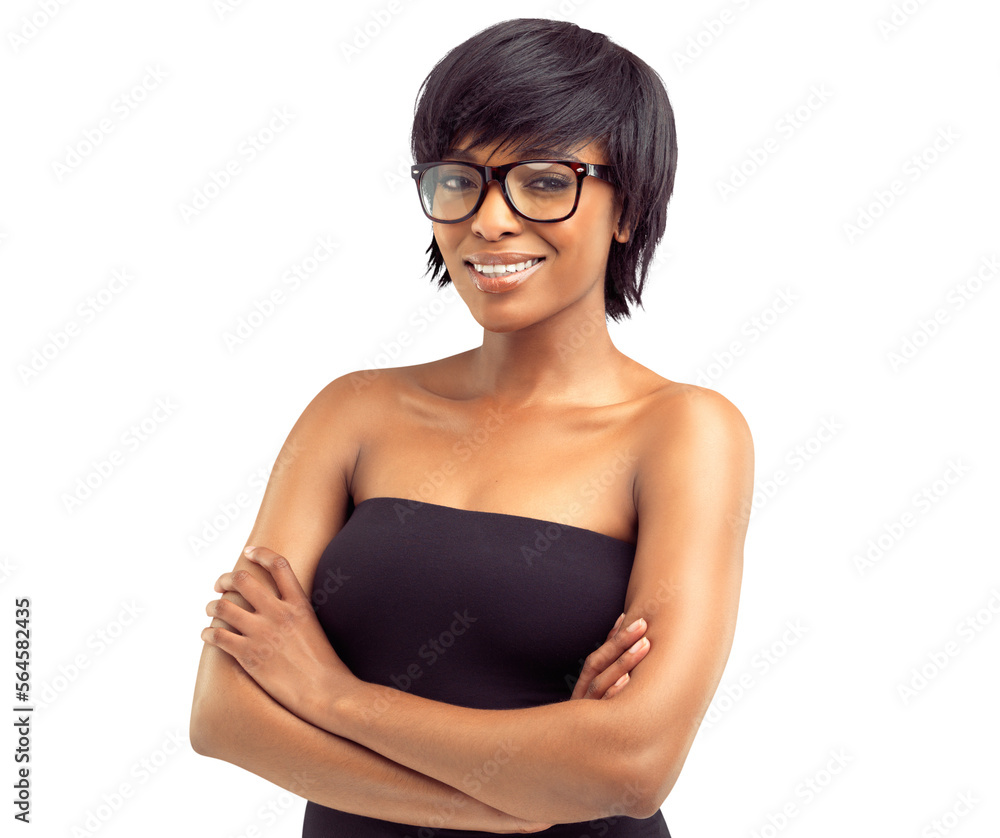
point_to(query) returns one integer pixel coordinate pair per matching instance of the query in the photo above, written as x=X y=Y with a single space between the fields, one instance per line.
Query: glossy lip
x=499 y=285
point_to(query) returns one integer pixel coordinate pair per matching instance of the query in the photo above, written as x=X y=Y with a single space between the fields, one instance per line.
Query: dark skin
x=546 y=381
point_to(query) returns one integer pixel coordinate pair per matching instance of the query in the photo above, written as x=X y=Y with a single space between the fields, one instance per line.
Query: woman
x=469 y=529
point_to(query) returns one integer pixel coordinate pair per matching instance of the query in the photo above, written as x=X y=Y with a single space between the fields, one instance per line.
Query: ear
x=621 y=232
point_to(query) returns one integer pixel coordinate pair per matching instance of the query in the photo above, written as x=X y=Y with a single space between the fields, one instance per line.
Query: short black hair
x=551 y=83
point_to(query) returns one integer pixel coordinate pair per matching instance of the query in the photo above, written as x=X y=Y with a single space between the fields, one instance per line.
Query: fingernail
x=621 y=680
x=618 y=622
x=635 y=625
x=248 y=551
x=639 y=645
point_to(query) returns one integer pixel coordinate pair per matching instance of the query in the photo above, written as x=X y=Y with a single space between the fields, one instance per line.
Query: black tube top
x=478 y=609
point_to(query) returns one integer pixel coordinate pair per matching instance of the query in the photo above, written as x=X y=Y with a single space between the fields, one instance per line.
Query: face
x=572 y=254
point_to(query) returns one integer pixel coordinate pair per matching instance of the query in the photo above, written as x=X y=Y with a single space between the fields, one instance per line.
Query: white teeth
x=505 y=269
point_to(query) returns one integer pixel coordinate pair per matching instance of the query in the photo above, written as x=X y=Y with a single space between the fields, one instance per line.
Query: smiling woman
x=495 y=593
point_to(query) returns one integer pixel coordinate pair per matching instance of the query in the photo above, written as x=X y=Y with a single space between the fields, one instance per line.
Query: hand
x=606 y=670
x=605 y=673
x=280 y=643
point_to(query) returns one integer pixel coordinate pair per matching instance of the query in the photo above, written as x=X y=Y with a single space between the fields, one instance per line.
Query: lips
x=501 y=268
x=499 y=277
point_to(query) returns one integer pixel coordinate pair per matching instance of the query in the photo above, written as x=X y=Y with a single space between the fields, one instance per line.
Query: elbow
x=645 y=782
x=204 y=728
x=646 y=799
x=199 y=733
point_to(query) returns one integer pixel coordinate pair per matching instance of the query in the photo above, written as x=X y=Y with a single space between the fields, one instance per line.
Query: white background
x=118 y=583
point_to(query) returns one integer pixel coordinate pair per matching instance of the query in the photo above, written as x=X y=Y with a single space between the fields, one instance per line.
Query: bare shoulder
x=360 y=396
x=681 y=411
x=692 y=436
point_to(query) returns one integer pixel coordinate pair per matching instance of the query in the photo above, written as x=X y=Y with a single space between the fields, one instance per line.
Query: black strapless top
x=477 y=609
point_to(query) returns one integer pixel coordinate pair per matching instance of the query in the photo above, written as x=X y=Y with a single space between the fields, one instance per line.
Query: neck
x=568 y=358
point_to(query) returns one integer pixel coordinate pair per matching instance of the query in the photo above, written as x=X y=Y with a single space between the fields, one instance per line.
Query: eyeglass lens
x=541 y=191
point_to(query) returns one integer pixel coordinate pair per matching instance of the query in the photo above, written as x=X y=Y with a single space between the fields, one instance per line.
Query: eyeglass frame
x=499 y=174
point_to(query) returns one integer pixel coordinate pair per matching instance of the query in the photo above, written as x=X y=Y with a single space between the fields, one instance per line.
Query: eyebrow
x=528 y=154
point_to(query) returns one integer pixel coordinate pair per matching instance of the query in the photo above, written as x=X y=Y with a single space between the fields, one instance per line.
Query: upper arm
x=304 y=505
x=692 y=492
x=306 y=500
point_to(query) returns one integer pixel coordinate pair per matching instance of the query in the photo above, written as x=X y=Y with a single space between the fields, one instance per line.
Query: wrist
x=331 y=702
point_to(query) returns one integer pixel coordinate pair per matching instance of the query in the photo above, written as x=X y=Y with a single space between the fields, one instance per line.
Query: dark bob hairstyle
x=548 y=83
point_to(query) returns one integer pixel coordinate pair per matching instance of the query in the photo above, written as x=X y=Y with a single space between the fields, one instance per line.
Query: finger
x=616 y=687
x=232 y=615
x=614 y=628
x=605 y=656
x=228 y=641
x=246 y=585
x=623 y=666
x=280 y=569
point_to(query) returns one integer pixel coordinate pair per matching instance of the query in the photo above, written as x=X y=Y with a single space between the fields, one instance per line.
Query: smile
x=501 y=270
x=495 y=279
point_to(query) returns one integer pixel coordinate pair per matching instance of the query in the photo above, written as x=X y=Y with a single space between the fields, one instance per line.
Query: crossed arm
x=557 y=763
x=235 y=720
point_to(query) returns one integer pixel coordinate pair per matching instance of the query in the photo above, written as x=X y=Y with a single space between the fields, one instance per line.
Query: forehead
x=506 y=151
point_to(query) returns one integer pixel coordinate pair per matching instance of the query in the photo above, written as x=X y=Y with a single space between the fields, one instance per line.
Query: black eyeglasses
x=538 y=190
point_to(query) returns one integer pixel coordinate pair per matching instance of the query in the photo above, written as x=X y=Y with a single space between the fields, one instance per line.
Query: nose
x=495 y=218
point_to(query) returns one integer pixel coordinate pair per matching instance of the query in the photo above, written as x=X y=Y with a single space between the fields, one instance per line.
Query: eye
x=548 y=183
x=543 y=179
x=457 y=183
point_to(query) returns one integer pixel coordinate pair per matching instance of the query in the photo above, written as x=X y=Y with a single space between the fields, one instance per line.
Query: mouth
x=495 y=279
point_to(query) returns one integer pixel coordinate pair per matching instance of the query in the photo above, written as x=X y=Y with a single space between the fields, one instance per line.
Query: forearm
x=560 y=763
x=234 y=720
